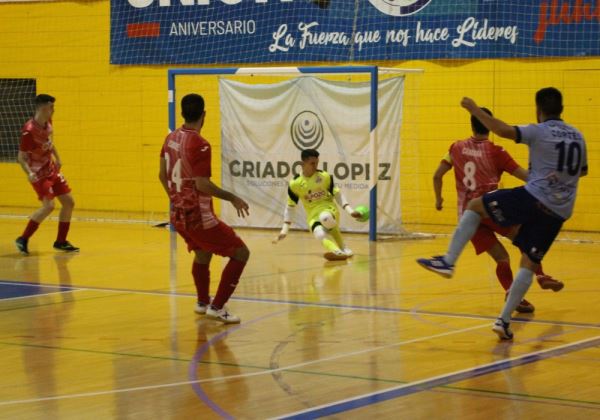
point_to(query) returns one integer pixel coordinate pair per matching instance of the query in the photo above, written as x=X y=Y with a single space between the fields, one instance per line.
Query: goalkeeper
x=316 y=190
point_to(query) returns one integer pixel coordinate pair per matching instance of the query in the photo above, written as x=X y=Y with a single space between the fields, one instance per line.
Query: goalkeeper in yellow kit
x=316 y=190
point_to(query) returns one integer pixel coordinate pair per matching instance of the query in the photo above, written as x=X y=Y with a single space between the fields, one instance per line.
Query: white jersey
x=557 y=158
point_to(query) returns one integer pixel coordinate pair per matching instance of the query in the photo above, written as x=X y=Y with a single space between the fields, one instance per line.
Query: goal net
x=262 y=118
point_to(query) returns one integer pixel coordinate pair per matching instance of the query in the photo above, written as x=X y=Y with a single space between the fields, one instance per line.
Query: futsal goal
x=261 y=118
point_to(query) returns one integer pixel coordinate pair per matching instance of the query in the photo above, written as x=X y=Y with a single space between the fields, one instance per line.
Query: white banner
x=264 y=127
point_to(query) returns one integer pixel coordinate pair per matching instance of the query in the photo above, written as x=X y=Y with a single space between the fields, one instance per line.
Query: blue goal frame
x=372 y=71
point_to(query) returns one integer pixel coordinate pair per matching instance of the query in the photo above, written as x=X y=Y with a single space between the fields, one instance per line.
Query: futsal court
x=112 y=332
x=377 y=88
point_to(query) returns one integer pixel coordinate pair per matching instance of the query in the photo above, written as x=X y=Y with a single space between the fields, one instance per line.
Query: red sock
x=63 y=229
x=30 y=229
x=229 y=280
x=539 y=271
x=201 y=275
x=504 y=274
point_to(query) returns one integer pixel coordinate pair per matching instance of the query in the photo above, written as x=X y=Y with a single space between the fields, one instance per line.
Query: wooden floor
x=111 y=333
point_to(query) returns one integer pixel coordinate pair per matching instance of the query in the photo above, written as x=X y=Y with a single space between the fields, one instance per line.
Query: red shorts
x=51 y=186
x=484 y=237
x=221 y=239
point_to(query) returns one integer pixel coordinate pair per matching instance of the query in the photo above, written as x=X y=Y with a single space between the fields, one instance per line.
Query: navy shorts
x=539 y=225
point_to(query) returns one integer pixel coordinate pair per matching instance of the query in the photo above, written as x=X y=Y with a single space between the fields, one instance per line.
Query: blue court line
x=16 y=290
x=314 y=304
x=426 y=384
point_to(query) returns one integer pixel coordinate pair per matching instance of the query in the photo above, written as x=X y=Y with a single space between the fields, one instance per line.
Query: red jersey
x=36 y=141
x=478 y=166
x=187 y=156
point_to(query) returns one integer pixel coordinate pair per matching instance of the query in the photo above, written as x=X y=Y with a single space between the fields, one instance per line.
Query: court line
x=193 y=367
x=37 y=295
x=318 y=305
x=436 y=381
x=239 y=376
x=492 y=393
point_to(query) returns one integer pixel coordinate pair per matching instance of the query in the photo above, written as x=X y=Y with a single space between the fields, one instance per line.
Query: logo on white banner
x=307 y=130
x=399 y=7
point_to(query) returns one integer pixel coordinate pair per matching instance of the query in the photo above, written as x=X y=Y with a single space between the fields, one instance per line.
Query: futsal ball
x=364 y=213
x=327 y=220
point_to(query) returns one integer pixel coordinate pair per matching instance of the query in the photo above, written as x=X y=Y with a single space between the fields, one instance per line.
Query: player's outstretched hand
x=468 y=104
x=356 y=214
x=241 y=206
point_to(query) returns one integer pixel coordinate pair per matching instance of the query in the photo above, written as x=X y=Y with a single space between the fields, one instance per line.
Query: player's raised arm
x=493 y=124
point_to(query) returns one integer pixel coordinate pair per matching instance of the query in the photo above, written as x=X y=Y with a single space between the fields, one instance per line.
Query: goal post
x=372 y=72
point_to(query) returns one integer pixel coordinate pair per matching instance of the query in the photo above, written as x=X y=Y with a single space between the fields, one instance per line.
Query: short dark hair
x=549 y=101
x=43 y=99
x=477 y=126
x=308 y=153
x=192 y=107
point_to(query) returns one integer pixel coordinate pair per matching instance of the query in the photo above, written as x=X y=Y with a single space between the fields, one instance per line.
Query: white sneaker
x=349 y=253
x=200 y=308
x=222 y=315
x=337 y=255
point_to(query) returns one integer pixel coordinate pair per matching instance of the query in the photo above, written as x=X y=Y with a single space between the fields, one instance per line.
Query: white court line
x=239 y=376
x=442 y=376
x=314 y=305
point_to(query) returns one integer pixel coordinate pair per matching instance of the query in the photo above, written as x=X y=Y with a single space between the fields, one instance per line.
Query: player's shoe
x=200 y=308
x=438 y=265
x=525 y=307
x=222 y=315
x=547 y=282
x=65 y=246
x=21 y=244
x=502 y=329
x=349 y=253
x=337 y=255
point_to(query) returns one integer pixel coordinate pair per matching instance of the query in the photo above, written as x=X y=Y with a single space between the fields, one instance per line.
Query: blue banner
x=279 y=31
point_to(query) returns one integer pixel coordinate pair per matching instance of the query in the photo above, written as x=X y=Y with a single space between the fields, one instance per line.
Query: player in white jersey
x=557 y=159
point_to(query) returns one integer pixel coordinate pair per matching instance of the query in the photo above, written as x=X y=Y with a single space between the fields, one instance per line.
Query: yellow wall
x=111 y=120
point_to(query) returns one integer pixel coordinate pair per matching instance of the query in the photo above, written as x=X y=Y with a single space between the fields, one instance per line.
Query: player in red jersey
x=185 y=171
x=40 y=161
x=478 y=165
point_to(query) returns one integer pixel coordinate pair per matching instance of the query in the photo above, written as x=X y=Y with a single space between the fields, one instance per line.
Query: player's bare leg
x=229 y=280
x=545 y=281
x=64 y=223
x=505 y=276
x=333 y=251
x=35 y=220
x=201 y=275
x=337 y=236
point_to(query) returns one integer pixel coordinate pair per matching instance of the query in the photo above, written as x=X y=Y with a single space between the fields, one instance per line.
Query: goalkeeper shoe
x=337 y=255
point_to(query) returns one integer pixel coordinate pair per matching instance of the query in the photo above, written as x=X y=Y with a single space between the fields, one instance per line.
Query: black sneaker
x=502 y=329
x=65 y=246
x=21 y=244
